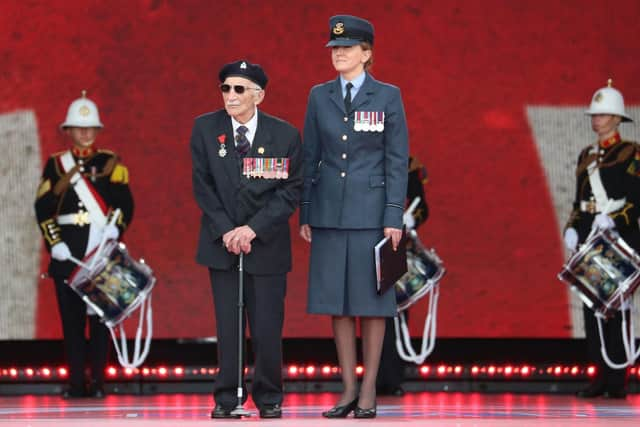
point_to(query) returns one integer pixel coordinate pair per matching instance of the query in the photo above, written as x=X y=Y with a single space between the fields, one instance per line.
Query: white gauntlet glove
x=60 y=251
x=571 y=239
x=111 y=232
x=603 y=221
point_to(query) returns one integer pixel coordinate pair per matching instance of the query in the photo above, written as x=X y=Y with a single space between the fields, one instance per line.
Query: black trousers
x=264 y=309
x=607 y=378
x=73 y=313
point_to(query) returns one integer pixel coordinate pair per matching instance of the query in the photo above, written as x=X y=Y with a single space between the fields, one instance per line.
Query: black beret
x=253 y=72
x=347 y=30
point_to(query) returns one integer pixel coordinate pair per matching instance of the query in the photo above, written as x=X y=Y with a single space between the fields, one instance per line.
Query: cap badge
x=243 y=66
x=598 y=97
x=84 y=111
x=338 y=28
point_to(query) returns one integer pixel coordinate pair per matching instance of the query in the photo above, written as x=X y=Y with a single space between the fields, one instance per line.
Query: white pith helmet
x=82 y=113
x=608 y=100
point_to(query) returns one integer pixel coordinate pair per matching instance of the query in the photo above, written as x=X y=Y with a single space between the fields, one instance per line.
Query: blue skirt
x=342 y=274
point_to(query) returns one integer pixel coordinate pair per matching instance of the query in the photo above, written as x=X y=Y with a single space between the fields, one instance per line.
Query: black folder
x=390 y=265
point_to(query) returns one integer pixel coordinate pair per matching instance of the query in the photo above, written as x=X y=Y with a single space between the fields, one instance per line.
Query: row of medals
x=368 y=121
x=266 y=167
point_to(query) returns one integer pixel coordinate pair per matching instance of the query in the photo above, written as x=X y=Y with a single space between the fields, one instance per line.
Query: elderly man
x=247 y=180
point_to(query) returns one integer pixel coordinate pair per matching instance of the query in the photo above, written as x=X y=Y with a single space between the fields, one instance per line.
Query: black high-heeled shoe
x=341 y=411
x=365 y=413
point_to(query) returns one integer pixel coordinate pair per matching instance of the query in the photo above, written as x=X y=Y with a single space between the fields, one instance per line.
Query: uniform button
x=344 y=155
x=80 y=161
x=80 y=204
x=343 y=174
x=346 y=119
x=344 y=137
x=81 y=168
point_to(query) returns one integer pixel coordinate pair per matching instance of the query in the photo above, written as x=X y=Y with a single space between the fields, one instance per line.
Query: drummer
x=607 y=197
x=79 y=192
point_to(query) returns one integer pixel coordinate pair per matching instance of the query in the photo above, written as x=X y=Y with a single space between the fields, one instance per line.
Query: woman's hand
x=305 y=232
x=395 y=234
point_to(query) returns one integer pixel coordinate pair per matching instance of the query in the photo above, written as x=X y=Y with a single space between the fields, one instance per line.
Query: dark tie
x=242 y=143
x=347 y=98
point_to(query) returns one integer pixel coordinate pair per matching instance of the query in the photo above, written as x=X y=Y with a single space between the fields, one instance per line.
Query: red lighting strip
x=312 y=371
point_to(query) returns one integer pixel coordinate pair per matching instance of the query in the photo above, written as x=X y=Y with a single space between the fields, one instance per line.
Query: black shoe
x=221 y=412
x=615 y=394
x=594 y=390
x=365 y=413
x=270 y=411
x=73 y=393
x=341 y=411
x=397 y=392
x=96 y=391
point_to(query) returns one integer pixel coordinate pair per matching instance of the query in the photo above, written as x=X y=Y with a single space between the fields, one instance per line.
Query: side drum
x=115 y=284
x=604 y=272
x=425 y=269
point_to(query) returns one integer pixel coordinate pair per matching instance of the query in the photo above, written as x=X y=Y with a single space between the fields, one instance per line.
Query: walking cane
x=239 y=410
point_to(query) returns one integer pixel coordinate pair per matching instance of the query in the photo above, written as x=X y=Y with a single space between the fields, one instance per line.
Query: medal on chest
x=222 y=152
x=368 y=121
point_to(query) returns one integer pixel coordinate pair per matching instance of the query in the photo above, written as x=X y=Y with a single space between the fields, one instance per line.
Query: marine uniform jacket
x=229 y=199
x=619 y=165
x=354 y=179
x=108 y=179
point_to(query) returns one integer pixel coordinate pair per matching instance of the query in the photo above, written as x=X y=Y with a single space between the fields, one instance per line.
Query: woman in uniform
x=355 y=161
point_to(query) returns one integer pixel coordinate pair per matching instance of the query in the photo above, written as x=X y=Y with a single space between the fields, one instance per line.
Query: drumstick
x=80 y=263
x=114 y=218
x=412 y=207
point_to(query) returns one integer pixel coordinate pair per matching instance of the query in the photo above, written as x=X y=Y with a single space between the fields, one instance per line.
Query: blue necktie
x=242 y=143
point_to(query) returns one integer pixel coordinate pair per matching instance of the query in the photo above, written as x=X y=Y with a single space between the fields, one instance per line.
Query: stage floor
x=303 y=409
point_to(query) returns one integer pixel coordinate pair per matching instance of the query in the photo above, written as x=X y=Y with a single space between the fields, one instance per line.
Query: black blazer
x=228 y=199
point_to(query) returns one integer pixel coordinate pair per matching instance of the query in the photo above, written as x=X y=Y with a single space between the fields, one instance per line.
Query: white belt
x=79 y=218
x=591 y=206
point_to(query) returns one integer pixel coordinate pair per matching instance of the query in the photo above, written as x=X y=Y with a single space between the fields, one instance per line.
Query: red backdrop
x=467 y=70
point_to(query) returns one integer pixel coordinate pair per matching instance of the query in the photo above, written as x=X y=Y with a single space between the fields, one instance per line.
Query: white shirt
x=252 y=125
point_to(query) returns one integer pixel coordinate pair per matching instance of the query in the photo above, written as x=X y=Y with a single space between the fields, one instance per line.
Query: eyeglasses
x=239 y=89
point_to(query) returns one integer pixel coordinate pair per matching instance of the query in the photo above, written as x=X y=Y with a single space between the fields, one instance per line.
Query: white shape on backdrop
x=20 y=169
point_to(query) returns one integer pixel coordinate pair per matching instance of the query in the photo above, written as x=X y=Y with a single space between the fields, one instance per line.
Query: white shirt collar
x=252 y=125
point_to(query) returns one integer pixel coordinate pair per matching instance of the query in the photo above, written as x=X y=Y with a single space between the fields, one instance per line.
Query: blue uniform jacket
x=354 y=179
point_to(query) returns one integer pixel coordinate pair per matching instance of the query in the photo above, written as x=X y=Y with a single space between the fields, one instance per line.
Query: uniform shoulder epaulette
x=107 y=152
x=634 y=165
